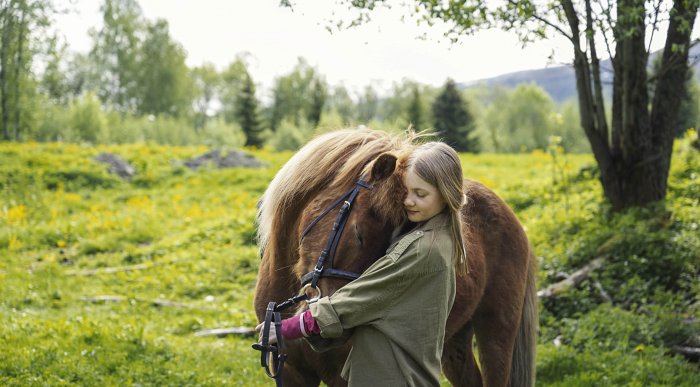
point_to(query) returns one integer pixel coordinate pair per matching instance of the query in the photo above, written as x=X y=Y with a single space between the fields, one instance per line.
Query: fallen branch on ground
x=157 y=301
x=109 y=270
x=222 y=332
x=691 y=353
x=572 y=281
x=603 y=294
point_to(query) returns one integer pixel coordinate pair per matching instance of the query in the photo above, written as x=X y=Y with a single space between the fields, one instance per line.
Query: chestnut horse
x=495 y=302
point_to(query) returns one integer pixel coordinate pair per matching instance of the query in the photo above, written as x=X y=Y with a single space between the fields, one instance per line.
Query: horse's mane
x=330 y=161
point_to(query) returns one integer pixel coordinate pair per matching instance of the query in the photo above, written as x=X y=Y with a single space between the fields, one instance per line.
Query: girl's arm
x=299 y=326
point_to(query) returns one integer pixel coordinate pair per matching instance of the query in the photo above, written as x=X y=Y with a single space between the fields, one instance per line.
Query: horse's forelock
x=332 y=160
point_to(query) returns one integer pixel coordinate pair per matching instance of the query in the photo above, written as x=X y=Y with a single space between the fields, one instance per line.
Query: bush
x=289 y=137
x=52 y=123
x=217 y=133
x=611 y=346
x=87 y=122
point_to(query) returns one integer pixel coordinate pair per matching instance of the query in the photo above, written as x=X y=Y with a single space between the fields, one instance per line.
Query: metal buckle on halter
x=311 y=300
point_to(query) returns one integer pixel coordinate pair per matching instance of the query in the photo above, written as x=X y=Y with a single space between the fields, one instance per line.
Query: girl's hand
x=272 y=339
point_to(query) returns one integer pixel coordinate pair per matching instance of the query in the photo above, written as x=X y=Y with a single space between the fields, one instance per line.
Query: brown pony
x=495 y=303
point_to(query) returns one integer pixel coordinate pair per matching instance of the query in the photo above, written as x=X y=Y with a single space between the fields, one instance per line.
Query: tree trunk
x=635 y=160
x=6 y=20
x=18 y=70
x=670 y=88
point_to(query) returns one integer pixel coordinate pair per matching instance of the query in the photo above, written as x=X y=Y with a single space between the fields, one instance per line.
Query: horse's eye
x=358 y=235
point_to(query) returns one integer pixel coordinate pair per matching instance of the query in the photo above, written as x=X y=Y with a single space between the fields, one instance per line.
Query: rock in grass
x=117 y=166
x=219 y=159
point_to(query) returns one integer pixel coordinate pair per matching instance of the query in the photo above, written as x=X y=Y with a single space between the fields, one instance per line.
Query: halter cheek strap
x=328 y=253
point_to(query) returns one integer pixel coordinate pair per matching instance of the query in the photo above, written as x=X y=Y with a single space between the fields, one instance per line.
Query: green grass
x=189 y=236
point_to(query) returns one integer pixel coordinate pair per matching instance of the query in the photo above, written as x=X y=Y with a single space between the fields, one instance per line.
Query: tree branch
x=110 y=270
x=222 y=332
x=546 y=22
x=691 y=353
x=657 y=8
x=598 y=103
x=572 y=281
x=156 y=302
x=610 y=27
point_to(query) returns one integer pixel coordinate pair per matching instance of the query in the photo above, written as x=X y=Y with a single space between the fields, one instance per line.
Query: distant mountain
x=560 y=81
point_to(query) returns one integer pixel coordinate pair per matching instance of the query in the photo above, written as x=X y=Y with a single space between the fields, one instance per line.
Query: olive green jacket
x=397 y=310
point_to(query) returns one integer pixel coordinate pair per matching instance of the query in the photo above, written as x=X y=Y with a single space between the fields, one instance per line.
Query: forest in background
x=134 y=86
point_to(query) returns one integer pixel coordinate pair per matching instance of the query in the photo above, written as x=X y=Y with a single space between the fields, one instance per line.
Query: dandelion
x=194 y=211
x=143 y=203
x=71 y=197
x=14 y=243
x=17 y=214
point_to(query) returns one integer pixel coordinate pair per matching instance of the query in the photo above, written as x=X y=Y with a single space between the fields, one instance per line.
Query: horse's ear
x=384 y=166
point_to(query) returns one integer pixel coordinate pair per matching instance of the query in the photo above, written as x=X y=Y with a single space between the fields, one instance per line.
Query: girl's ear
x=383 y=167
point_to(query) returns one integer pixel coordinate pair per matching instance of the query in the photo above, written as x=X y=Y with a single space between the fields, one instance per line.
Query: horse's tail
x=523 y=364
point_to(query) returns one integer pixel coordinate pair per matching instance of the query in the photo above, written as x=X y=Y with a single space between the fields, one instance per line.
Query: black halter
x=270 y=357
x=328 y=253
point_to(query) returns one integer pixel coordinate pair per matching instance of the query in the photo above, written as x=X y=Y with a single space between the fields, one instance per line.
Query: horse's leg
x=292 y=377
x=337 y=381
x=297 y=372
x=305 y=367
x=458 y=363
x=496 y=325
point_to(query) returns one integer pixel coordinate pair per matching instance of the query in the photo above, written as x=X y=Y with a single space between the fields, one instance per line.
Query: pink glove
x=300 y=326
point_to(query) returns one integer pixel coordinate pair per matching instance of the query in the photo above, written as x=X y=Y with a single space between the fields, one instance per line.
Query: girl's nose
x=408 y=202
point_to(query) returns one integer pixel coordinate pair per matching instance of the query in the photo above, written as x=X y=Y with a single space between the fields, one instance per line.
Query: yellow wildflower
x=17 y=214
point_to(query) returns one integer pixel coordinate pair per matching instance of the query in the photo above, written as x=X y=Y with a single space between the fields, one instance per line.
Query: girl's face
x=423 y=200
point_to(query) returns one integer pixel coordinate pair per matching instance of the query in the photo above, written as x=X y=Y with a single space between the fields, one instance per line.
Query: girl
x=397 y=309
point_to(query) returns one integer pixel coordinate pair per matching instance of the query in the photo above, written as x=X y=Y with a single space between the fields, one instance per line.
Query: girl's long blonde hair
x=438 y=164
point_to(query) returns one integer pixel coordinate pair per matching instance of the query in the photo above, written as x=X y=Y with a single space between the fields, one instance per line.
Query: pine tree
x=318 y=100
x=453 y=121
x=247 y=113
x=415 y=110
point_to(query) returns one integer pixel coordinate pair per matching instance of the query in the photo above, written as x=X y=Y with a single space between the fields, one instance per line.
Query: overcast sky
x=378 y=53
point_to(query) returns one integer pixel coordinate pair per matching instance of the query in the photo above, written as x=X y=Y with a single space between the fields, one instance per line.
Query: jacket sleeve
x=368 y=298
x=320 y=344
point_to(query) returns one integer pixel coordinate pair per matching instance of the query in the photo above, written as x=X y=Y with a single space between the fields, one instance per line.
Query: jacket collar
x=437 y=221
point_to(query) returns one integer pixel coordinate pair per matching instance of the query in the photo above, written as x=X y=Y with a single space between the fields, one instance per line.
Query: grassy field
x=105 y=282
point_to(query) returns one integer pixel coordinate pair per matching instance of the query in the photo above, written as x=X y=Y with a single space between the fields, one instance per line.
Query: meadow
x=105 y=281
